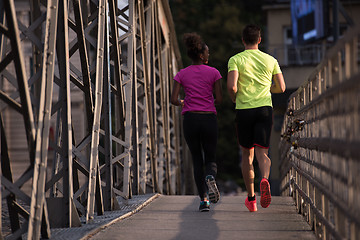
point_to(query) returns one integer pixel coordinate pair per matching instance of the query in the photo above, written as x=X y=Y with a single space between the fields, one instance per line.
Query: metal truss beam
x=111 y=62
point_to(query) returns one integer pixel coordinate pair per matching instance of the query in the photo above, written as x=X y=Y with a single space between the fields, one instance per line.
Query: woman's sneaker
x=251 y=205
x=204 y=206
x=214 y=194
x=265 y=199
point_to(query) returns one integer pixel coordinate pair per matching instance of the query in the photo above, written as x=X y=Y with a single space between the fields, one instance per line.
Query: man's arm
x=279 y=84
x=232 y=78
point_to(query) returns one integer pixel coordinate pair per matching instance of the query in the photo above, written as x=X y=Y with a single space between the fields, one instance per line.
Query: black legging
x=200 y=131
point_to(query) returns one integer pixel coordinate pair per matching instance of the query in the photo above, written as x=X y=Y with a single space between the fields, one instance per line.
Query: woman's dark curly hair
x=194 y=44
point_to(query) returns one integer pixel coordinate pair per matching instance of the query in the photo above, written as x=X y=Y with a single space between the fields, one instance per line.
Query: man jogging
x=252 y=76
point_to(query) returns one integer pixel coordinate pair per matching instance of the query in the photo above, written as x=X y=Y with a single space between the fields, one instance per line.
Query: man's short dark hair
x=251 y=34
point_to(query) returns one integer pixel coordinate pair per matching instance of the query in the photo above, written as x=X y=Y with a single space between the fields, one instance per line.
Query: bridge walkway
x=177 y=217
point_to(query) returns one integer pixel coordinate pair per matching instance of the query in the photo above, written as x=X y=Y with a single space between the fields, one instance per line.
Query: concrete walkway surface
x=128 y=207
x=177 y=217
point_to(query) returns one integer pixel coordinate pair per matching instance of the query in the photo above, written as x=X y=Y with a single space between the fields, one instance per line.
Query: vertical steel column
x=38 y=209
x=175 y=118
x=134 y=177
x=119 y=98
x=156 y=88
x=160 y=101
x=70 y=214
x=130 y=35
x=149 y=103
x=157 y=96
x=169 y=161
x=94 y=178
x=81 y=151
x=142 y=101
x=122 y=35
x=144 y=159
x=163 y=102
x=139 y=104
x=119 y=109
x=108 y=169
x=24 y=108
x=80 y=163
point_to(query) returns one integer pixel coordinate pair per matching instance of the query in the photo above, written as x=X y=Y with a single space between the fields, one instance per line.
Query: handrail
x=319 y=149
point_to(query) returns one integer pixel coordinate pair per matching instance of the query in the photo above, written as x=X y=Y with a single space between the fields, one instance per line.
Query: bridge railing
x=290 y=55
x=85 y=114
x=320 y=146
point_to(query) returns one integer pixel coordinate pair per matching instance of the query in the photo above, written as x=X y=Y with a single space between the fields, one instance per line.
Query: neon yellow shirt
x=255 y=69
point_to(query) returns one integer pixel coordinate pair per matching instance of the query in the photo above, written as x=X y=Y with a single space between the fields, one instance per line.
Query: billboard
x=309 y=20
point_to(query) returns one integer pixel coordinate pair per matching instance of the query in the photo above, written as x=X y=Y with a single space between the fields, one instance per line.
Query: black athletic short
x=253 y=126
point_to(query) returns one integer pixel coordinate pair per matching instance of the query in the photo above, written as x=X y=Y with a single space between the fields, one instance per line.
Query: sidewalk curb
x=126 y=215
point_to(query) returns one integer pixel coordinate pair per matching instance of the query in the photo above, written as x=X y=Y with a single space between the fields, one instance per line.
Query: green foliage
x=220 y=23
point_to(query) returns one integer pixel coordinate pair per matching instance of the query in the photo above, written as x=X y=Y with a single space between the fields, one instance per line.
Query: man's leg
x=247 y=169
x=263 y=160
x=264 y=164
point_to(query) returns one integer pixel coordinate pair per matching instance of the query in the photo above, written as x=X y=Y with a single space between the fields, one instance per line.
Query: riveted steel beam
x=108 y=60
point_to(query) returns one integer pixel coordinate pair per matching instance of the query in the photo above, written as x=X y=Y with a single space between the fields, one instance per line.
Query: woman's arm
x=218 y=92
x=279 y=84
x=232 y=78
x=175 y=95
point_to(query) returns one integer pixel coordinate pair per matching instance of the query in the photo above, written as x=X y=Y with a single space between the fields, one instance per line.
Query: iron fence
x=320 y=157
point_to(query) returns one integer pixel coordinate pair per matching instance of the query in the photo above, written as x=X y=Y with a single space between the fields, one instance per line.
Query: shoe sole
x=214 y=194
x=204 y=210
x=265 y=194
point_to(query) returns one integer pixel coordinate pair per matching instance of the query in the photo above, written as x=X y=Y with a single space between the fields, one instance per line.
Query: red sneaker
x=265 y=199
x=251 y=205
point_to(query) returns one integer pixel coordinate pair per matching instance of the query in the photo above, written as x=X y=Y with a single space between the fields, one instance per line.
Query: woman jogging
x=199 y=82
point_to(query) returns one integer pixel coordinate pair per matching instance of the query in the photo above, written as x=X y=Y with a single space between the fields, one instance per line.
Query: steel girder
x=11 y=53
x=110 y=61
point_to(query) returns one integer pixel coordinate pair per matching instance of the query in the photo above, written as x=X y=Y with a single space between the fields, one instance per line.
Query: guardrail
x=320 y=157
x=288 y=54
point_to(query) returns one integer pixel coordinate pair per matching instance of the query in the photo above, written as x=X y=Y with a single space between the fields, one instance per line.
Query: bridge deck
x=177 y=217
